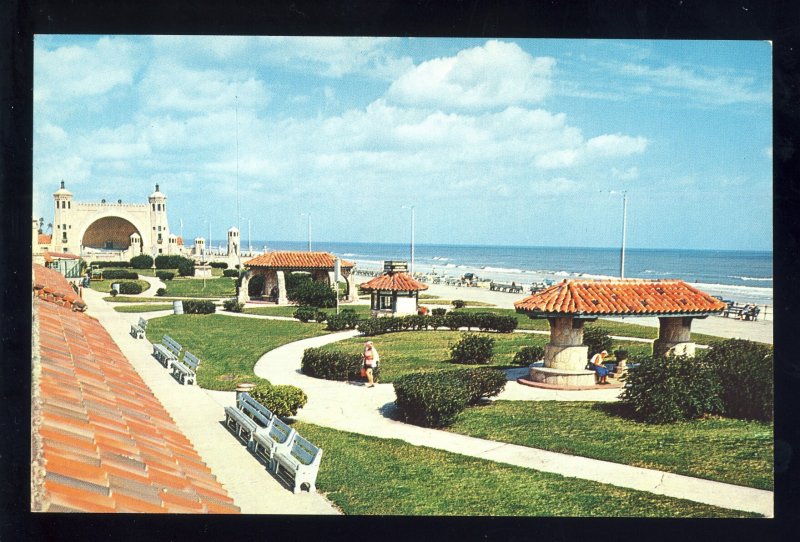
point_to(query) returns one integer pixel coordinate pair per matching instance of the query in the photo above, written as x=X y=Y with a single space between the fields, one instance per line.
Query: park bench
x=272 y=438
x=137 y=330
x=186 y=369
x=167 y=352
x=744 y=312
x=299 y=463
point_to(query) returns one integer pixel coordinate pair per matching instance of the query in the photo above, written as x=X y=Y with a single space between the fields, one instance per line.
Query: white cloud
x=627 y=175
x=497 y=74
x=615 y=145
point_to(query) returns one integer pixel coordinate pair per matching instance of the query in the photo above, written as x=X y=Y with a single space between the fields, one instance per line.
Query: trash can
x=115 y=286
x=177 y=307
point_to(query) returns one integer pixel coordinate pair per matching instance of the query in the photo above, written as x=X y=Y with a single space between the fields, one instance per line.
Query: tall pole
x=309 y=232
x=249 y=239
x=412 y=235
x=624 y=230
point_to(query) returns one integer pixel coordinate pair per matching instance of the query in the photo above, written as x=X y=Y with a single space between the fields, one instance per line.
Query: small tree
x=143 y=261
x=313 y=293
x=597 y=339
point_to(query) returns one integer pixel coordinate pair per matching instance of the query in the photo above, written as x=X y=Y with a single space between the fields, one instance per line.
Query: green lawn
x=130 y=307
x=105 y=285
x=419 y=351
x=228 y=346
x=284 y=310
x=216 y=287
x=136 y=299
x=367 y=475
x=725 y=450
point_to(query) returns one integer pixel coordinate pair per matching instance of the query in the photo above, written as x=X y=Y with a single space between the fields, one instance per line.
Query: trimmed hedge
x=746 y=376
x=320 y=363
x=528 y=354
x=346 y=319
x=438 y=311
x=161 y=292
x=142 y=261
x=459 y=303
x=219 y=265
x=282 y=400
x=233 y=305
x=306 y=314
x=472 y=349
x=130 y=288
x=430 y=399
x=313 y=293
x=233 y=273
x=481 y=382
x=185 y=266
x=114 y=274
x=165 y=275
x=485 y=321
x=672 y=388
x=193 y=306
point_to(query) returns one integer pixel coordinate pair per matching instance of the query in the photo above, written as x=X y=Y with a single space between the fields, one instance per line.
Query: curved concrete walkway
x=353 y=407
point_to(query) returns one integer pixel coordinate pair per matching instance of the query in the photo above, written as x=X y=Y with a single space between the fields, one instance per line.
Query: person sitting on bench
x=601 y=370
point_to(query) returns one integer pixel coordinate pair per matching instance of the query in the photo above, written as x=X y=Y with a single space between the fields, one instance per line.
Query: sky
x=503 y=141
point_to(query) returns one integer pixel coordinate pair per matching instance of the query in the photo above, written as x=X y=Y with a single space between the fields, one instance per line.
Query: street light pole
x=309 y=229
x=412 y=236
x=624 y=231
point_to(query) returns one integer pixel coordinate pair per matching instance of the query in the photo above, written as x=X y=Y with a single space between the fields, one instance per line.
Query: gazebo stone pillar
x=352 y=292
x=564 y=356
x=332 y=280
x=244 y=295
x=282 y=298
x=674 y=337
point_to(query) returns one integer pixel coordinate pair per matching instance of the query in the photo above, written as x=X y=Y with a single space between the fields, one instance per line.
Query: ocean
x=741 y=276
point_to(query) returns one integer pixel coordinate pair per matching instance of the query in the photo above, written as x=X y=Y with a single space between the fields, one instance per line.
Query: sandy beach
x=730 y=328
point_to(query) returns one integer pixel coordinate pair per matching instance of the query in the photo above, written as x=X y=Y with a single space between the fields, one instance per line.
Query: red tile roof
x=619 y=297
x=50 y=285
x=297 y=260
x=102 y=442
x=45 y=238
x=50 y=255
x=394 y=282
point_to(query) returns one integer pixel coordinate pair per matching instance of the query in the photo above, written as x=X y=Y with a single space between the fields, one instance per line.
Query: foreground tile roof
x=394 y=282
x=50 y=285
x=297 y=260
x=49 y=256
x=101 y=441
x=620 y=297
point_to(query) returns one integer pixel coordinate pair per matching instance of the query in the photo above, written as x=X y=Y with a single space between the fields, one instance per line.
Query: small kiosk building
x=395 y=292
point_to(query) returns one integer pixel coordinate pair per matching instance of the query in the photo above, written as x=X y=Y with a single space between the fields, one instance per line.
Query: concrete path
x=356 y=408
x=155 y=284
x=200 y=417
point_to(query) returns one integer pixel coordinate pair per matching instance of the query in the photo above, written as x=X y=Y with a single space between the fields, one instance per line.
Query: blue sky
x=493 y=141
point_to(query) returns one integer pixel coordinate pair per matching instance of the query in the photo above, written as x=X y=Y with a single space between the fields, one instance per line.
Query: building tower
x=199 y=246
x=62 y=220
x=158 y=221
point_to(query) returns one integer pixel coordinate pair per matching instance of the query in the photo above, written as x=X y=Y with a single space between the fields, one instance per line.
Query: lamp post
x=624 y=229
x=412 y=236
x=309 y=229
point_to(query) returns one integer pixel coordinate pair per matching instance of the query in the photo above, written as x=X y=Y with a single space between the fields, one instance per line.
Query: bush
x=489 y=321
x=143 y=261
x=458 y=304
x=161 y=292
x=165 y=275
x=597 y=339
x=219 y=265
x=481 y=382
x=283 y=400
x=672 y=388
x=186 y=267
x=113 y=274
x=528 y=354
x=321 y=317
x=472 y=349
x=113 y=292
x=430 y=399
x=255 y=285
x=305 y=314
x=193 y=306
x=233 y=305
x=310 y=292
x=438 y=311
x=347 y=319
x=746 y=376
x=320 y=363
x=232 y=273
x=167 y=262
x=131 y=288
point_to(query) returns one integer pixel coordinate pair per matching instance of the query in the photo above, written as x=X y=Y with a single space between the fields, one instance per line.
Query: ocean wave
x=760 y=279
x=501 y=270
x=441 y=259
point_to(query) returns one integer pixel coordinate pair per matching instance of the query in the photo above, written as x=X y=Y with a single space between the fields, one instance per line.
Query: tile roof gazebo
x=394 y=292
x=274 y=266
x=569 y=304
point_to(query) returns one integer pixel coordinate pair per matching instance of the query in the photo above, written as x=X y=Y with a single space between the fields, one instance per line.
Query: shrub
x=161 y=292
x=746 y=375
x=233 y=273
x=347 y=319
x=233 y=305
x=458 y=304
x=489 y=321
x=130 y=288
x=311 y=292
x=194 y=306
x=455 y=320
x=255 y=285
x=472 y=349
x=321 y=316
x=219 y=265
x=430 y=399
x=528 y=354
x=305 y=314
x=438 y=311
x=143 y=261
x=320 y=363
x=621 y=354
x=672 y=388
x=282 y=400
x=167 y=262
x=113 y=274
x=165 y=275
x=113 y=292
x=597 y=339
x=481 y=382
x=186 y=267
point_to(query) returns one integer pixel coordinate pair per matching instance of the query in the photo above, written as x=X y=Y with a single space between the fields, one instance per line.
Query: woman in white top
x=371 y=359
x=601 y=370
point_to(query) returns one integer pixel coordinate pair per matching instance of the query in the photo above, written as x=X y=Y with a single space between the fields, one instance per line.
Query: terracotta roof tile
x=619 y=297
x=297 y=260
x=45 y=238
x=394 y=282
x=107 y=444
x=50 y=285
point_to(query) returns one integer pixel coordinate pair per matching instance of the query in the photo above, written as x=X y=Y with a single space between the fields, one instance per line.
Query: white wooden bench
x=299 y=462
x=167 y=352
x=186 y=369
x=268 y=440
x=246 y=416
x=137 y=330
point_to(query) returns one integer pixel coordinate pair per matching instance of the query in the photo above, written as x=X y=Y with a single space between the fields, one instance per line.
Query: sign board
x=395 y=266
